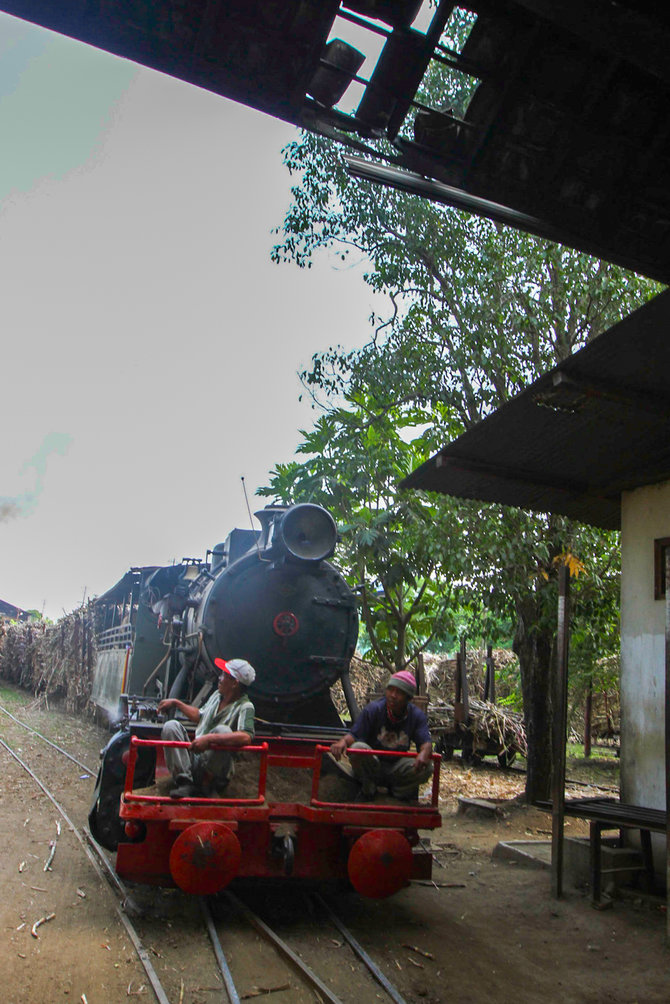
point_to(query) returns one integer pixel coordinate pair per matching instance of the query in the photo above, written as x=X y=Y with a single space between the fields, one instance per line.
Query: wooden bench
x=611 y=814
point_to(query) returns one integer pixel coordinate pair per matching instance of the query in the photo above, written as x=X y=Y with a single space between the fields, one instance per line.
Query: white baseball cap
x=239 y=669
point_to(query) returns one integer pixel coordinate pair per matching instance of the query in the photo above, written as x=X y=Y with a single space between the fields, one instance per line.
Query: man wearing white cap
x=224 y=723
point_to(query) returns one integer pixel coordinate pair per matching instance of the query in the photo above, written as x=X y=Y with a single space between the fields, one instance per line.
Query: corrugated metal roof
x=564 y=126
x=594 y=426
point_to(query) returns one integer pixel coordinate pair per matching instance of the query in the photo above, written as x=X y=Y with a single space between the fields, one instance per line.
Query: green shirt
x=238 y=716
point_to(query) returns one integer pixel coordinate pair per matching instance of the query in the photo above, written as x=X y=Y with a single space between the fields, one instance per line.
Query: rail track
x=227 y=919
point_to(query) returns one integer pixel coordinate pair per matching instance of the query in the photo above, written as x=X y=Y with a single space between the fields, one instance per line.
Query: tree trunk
x=533 y=644
x=401 y=645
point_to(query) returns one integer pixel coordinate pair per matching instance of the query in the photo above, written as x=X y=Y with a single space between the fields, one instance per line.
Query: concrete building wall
x=645 y=515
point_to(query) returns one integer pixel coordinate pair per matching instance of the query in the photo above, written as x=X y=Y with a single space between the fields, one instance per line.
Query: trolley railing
x=312 y=761
x=377 y=806
x=131 y=796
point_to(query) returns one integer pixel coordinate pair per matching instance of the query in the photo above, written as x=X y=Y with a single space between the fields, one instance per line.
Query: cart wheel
x=447 y=752
x=506 y=758
x=472 y=758
x=288 y=853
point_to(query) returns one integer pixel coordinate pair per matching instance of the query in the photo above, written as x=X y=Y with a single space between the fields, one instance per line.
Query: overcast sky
x=150 y=348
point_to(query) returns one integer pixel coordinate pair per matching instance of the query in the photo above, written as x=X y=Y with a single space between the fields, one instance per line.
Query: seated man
x=391 y=723
x=223 y=724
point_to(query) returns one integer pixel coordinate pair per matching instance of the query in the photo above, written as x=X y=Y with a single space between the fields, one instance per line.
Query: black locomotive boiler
x=273 y=598
x=268 y=596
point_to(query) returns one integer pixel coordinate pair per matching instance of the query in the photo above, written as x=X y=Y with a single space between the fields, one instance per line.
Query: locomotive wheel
x=103 y=819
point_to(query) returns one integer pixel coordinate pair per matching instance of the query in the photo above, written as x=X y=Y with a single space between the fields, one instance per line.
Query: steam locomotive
x=273 y=598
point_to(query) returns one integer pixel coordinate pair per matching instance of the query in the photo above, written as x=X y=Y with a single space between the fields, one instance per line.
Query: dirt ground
x=489 y=931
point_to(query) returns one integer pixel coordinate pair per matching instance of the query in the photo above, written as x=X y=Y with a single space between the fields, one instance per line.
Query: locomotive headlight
x=308 y=532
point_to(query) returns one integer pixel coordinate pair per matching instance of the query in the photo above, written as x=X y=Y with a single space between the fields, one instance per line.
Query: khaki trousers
x=211 y=768
x=397 y=775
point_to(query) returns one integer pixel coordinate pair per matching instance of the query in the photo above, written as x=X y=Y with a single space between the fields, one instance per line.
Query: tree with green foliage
x=477 y=311
x=403 y=572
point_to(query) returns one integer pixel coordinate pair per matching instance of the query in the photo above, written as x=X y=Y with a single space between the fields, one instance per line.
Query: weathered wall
x=645 y=516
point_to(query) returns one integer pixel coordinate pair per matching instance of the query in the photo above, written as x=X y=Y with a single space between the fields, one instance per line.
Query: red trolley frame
x=277 y=840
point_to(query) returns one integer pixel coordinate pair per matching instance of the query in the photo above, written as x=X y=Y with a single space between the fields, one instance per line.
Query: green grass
x=12 y=697
x=602 y=767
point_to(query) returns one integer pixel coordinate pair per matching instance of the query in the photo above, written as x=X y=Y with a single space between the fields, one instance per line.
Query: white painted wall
x=645 y=515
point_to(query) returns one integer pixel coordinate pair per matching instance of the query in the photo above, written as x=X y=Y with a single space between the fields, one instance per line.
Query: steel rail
x=104 y=870
x=44 y=738
x=231 y=989
x=142 y=954
x=110 y=874
x=358 y=950
x=307 y=974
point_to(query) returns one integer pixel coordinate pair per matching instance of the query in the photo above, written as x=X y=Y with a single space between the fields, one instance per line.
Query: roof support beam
x=448 y=195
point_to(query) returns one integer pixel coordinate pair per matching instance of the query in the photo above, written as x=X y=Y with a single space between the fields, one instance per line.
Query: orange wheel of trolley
x=205 y=858
x=380 y=863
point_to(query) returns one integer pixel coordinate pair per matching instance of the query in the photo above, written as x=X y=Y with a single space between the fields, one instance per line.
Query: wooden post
x=420 y=676
x=461 y=701
x=588 y=707
x=560 y=730
x=490 y=680
x=458 y=680
x=667 y=737
x=465 y=697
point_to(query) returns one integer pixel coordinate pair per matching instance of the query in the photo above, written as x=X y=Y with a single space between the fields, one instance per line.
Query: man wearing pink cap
x=392 y=723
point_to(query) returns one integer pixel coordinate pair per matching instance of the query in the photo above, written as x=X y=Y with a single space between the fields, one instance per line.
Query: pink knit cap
x=404 y=680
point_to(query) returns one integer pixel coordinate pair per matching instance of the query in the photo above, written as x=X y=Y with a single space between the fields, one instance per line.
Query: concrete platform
x=625 y=861
x=529 y=853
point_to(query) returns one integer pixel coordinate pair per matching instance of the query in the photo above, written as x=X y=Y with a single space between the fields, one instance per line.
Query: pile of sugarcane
x=487 y=724
x=54 y=661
